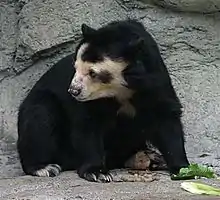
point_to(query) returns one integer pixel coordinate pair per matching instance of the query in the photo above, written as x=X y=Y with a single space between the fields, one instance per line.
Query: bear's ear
x=136 y=44
x=87 y=31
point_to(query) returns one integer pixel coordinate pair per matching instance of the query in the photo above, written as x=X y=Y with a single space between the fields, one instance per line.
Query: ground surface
x=69 y=186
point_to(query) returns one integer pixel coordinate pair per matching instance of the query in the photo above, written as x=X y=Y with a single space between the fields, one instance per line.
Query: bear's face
x=98 y=75
x=101 y=79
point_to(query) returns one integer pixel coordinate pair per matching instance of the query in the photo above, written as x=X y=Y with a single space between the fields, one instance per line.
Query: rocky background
x=34 y=34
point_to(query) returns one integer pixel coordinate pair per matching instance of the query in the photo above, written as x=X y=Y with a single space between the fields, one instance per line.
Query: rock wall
x=35 y=34
x=200 y=6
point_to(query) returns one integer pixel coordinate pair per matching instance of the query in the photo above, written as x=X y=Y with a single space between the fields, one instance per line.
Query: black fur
x=54 y=128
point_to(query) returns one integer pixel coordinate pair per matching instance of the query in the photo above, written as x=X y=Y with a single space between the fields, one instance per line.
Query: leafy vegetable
x=194 y=171
x=200 y=188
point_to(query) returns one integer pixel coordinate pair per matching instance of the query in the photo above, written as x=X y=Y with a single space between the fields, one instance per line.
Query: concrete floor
x=69 y=186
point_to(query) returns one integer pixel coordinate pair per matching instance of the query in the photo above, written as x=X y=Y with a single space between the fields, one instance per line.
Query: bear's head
x=100 y=61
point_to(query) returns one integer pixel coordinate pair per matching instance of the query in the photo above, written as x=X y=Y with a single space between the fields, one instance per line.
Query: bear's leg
x=37 y=146
x=90 y=148
x=169 y=139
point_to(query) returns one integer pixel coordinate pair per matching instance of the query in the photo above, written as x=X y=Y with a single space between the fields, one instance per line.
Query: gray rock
x=44 y=25
x=201 y=6
x=189 y=43
x=10 y=165
x=8 y=22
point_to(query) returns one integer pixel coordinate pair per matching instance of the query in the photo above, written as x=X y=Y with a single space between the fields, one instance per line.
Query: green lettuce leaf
x=200 y=188
x=194 y=171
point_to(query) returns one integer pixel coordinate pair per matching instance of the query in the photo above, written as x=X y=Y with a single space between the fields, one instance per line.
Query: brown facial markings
x=105 y=76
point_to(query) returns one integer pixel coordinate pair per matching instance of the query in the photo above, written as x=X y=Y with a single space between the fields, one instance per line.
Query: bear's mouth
x=81 y=99
x=84 y=98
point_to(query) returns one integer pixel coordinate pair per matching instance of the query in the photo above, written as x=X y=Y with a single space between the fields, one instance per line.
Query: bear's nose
x=74 y=91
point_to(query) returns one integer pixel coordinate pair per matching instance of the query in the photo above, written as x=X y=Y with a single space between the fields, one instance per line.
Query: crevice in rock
x=190 y=47
x=174 y=7
x=4 y=74
x=28 y=61
x=131 y=5
x=54 y=50
x=18 y=7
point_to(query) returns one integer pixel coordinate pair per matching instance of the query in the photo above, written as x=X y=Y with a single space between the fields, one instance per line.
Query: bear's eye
x=92 y=73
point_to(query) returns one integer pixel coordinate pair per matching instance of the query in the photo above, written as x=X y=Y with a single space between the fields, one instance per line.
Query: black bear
x=96 y=108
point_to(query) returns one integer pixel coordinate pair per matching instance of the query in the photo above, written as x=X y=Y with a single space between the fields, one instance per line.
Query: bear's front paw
x=98 y=177
x=95 y=174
